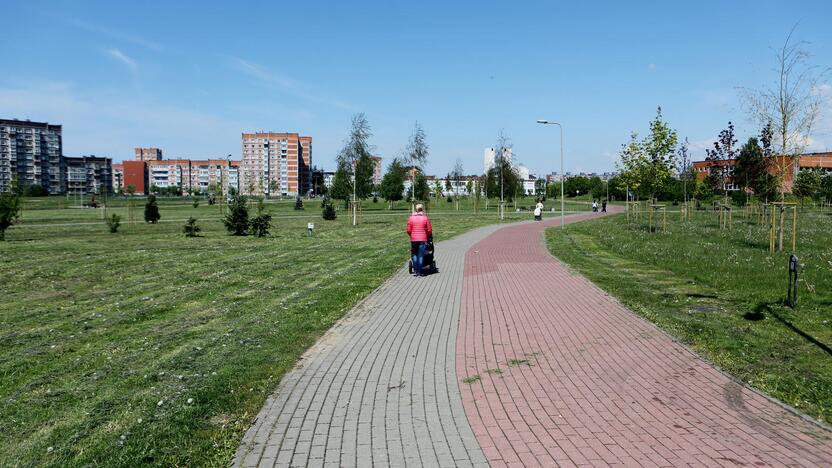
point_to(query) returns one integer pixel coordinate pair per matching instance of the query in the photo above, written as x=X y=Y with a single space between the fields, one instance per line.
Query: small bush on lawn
x=190 y=228
x=113 y=222
x=9 y=211
x=329 y=210
x=237 y=219
x=260 y=224
x=151 y=210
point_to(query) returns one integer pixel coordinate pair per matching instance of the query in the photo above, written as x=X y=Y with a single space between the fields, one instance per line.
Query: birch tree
x=416 y=154
x=791 y=104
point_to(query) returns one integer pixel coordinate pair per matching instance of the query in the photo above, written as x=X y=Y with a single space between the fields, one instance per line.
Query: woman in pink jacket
x=419 y=229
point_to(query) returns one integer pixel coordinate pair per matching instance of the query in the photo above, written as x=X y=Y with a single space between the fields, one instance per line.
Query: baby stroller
x=429 y=265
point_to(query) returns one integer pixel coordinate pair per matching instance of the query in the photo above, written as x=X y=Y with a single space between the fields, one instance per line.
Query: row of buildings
x=810 y=161
x=31 y=153
x=273 y=164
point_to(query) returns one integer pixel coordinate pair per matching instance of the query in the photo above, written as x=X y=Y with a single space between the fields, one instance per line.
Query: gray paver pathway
x=381 y=386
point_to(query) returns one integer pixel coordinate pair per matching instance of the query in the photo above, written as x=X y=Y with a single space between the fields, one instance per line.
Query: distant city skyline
x=192 y=81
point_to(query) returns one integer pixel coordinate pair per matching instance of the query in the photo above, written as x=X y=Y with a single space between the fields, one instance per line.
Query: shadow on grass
x=754 y=244
x=703 y=296
x=765 y=308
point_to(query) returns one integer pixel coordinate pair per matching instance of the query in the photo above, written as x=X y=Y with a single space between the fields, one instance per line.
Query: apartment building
x=31 y=153
x=87 y=175
x=328 y=176
x=377 y=169
x=169 y=173
x=193 y=175
x=118 y=176
x=815 y=161
x=214 y=173
x=147 y=154
x=491 y=158
x=135 y=176
x=276 y=164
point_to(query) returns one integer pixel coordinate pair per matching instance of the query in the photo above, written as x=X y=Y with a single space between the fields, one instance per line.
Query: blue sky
x=189 y=77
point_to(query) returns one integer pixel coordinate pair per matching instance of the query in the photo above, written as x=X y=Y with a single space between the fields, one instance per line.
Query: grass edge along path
x=754 y=342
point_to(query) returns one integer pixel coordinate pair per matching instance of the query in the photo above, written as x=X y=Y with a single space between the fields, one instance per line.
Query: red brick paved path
x=585 y=381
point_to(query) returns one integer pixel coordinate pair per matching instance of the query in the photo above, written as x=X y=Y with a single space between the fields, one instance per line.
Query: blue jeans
x=417 y=252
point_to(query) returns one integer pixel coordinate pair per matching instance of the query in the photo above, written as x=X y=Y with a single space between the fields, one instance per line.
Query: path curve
x=581 y=379
x=584 y=381
x=380 y=388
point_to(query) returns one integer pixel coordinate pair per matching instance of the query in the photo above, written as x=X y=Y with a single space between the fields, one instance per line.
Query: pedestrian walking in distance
x=594 y=206
x=419 y=229
x=604 y=206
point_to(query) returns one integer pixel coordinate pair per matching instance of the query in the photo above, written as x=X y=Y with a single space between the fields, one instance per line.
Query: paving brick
x=607 y=386
x=384 y=376
x=584 y=382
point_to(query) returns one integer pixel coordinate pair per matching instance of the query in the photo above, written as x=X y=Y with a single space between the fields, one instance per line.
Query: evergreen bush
x=113 y=223
x=151 y=210
x=190 y=228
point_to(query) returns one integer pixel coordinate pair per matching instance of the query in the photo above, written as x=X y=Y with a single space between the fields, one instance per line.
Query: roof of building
x=822 y=158
x=90 y=157
x=27 y=123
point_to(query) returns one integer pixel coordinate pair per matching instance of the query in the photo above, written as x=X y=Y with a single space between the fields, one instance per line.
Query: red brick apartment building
x=276 y=164
x=135 y=174
x=817 y=161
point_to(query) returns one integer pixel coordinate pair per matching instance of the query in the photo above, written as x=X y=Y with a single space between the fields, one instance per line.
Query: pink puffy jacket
x=419 y=227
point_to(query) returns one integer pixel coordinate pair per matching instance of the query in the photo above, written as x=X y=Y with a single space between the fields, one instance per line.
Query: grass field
x=721 y=293
x=62 y=209
x=148 y=347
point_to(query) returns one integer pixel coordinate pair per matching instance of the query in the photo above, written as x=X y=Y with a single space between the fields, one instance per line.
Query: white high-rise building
x=490 y=158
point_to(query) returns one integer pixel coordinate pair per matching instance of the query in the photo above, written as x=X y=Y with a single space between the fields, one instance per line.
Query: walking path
x=586 y=381
x=380 y=388
x=508 y=358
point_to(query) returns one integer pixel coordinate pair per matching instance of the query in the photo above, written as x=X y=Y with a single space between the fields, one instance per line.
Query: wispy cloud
x=111 y=126
x=284 y=83
x=255 y=70
x=123 y=58
x=120 y=36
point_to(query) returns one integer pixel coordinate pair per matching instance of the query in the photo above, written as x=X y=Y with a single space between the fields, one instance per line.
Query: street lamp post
x=354 y=178
x=502 y=208
x=547 y=122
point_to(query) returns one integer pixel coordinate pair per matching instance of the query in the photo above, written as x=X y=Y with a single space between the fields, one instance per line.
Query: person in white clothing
x=538 y=211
